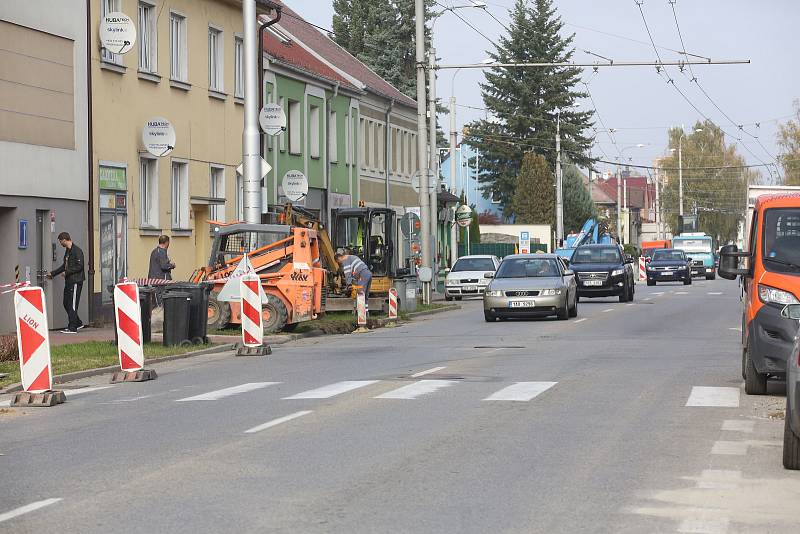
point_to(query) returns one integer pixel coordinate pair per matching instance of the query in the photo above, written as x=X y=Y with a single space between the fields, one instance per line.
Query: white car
x=468 y=277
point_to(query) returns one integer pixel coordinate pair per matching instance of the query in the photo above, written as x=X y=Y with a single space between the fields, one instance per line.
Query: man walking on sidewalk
x=160 y=264
x=72 y=271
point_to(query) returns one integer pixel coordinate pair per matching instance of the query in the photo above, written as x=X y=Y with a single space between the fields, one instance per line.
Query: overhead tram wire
x=465 y=21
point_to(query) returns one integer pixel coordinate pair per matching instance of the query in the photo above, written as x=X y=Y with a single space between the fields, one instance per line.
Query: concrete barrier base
x=46 y=399
x=263 y=350
x=142 y=375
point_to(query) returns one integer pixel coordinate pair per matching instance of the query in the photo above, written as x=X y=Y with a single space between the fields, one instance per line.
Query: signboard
x=416 y=179
x=295 y=185
x=158 y=137
x=410 y=224
x=524 y=242
x=265 y=168
x=22 y=239
x=112 y=178
x=272 y=119
x=464 y=215
x=117 y=32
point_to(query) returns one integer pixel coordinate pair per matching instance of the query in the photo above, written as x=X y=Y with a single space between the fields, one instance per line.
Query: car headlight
x=618 y=272
x=681 y=268
x=549 y=292
x=494 y=293
x=776 y=296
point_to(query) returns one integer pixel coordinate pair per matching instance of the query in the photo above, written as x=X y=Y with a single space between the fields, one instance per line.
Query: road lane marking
x=227 y=392
x=696 y=525
x=736 y=329
x=580 y=320
x=427 y=372
x=735 y=425
x=719 y=479
x=276 y=422
x=681 y=292
x=521 y=391
x=331 y=390
x=608 y=310
x=714 y=293
x=714 y=396
x=648 y=298
x=27 y=508
x=417 y=389
x=631 y=304
x=729 y=448
x=81 y=391
x=658 y=293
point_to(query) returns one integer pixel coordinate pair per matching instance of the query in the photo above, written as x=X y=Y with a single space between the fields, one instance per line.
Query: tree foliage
x=578 y=205
x=488 y=217
x=789 y=143
x=523 y=102
x=714 y=181
x=534 y=199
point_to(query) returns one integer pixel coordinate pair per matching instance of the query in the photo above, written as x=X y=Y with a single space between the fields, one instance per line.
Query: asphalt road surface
x=631 y=418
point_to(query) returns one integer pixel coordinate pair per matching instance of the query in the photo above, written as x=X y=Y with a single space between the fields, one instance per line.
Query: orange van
x=770 y=271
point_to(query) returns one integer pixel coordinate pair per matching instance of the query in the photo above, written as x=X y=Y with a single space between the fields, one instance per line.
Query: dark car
x=603 y=271
x=669 y=265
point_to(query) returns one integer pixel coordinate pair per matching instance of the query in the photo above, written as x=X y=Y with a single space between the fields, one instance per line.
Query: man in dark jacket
x=160 y=264
x=72 y=271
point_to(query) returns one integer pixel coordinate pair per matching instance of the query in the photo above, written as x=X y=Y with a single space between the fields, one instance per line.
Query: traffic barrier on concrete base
x=130 y=347
x=252 y=320
x=361 y=312
x=392 y=303
x=34 y=350
x=642 y=268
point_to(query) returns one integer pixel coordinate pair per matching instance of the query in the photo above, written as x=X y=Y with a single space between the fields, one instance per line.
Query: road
x=447 y=424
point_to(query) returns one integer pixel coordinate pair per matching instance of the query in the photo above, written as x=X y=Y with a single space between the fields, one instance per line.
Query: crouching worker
x=356 y=273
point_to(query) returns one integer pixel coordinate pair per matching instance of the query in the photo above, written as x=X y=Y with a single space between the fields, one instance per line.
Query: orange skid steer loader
x=286 y=258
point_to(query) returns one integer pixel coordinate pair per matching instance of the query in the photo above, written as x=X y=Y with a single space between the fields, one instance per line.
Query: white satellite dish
x=158 y=136
x=117 y=32
x=295 y=185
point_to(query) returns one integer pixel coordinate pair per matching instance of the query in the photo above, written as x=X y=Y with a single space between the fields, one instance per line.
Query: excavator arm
x=296 y=216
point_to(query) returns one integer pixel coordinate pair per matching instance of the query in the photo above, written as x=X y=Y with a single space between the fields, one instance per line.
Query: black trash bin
x=198 y=309
x=146 y=306
x=176 y=318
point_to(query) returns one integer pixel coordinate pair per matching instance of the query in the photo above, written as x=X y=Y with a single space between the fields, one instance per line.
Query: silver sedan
x=531 y=285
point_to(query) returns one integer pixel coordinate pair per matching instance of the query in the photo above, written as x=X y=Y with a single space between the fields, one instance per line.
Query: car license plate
x=666 y=273
x=522 y=304
x=695 y=272
x=593 y=283
x=470 y=288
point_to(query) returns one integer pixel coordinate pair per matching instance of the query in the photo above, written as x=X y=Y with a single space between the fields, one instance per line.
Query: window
x=333 y=146
x=148 y=185
x=148 y=51
x=180 y=196
x=294 y=127
x=282 y=137
x=314 y=127
x=106 y=7
x=348 y=142
x=364 y=143
x=380 y=150
x=781 y=239
x=216 y=189
x=239 y=197
x=215 y=66
x=177 y=48
x=238 y=73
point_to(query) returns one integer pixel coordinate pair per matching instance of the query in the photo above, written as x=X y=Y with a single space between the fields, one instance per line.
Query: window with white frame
x=239 y=197
x=180 y=195
x=314 y=127
x=215 y=65
x=178 y=68
x=148 y=186
x=148 y=49
x=216 y=189
x=106 y=7
x=238 y=66
x=295 y=132
x=333 y=146
x=380 y=147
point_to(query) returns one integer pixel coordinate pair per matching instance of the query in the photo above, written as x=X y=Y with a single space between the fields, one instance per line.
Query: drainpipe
x=388 y=150
x=90 y=159
x=260 y=76
x=328 y=152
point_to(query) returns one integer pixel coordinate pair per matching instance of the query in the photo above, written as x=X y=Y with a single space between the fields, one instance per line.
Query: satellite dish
x=158 y=137
x=295 y=185
x=272 y=119
x=117 y=32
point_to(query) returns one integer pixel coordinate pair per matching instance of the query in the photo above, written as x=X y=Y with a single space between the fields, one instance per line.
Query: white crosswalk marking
x=417 y=389
x=521 y=391
x=227 y=392
x=730 y=448
x=331 y=390
x=715 y=292
x=427 y=372
x=80 y=391
x=704 y=526
x=276 y=422
x=735 y=425
x=714 y=396
x=27 y=508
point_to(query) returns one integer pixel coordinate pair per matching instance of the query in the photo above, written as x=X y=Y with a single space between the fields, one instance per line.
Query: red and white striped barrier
x=642 y=268
x=361 y=308
x=129 y=326
x=392 y=303
x=252 y=328
x=8 y=288
x=33 y=340
x=151 y=281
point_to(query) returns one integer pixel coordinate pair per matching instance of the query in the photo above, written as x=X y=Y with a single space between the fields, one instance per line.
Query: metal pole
x=559 y=185
x=434 y=162
x=597 y=65
x=619 y=206
x=680 y=174
x=422 y=144
x=251 y=136
x=658 y=206
x=453 y=141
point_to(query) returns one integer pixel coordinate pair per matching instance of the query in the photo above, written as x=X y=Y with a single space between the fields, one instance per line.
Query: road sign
x=416 y=179
x=392 y=303
x=295 y=185
x=272 y=119
x=33 y=339
x=158 y=137
x=410 y=225
x=129 y=326
x=117 y=32
x=524 y=242
x=265 y=168
x=252 y=330
x=464 y=215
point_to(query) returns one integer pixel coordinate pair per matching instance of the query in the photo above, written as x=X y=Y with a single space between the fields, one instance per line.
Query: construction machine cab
x=231 y=241
x=369 y=234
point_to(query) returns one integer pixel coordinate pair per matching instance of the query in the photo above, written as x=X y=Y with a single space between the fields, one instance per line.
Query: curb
x=444 y=308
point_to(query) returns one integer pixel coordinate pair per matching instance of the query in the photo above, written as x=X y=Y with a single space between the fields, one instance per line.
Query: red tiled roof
x=338 y=56
x=637 y=187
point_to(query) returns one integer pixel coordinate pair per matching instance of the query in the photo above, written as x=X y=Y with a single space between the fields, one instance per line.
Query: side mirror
x=729 y=262
x=569 y=272
x=689 y=260
x=488 y=275
x=791 y=311
x=447 y=270
x=648 y=259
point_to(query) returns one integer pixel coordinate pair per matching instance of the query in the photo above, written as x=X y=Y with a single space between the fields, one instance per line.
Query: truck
x=648 y=247
x=700 y=248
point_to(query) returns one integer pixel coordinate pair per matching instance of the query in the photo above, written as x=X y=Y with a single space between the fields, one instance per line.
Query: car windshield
x=528 y=268
x=782 y=239
x=473 y=264
x=668 y=255
x=596 y=255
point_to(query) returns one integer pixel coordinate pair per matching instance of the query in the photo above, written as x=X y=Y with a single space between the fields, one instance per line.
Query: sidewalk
x=84 y=334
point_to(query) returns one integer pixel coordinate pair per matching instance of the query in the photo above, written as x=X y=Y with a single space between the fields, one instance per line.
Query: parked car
x=791 y=427
x=603 y=271
x=467 y=278
x=531 y=285
x=669 y=265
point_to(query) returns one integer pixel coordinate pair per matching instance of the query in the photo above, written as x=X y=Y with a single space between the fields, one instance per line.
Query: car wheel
x=651 y=282
x=755 y=383
x=744 y=362
x=448 y=297
x=458 y=298
x=711 y=276
x=573 y=312
x=632 y=293
x=577 y=299
x=489 y=316
x=624 y=295
x=687 y=282
x=563 y=313
x=791 y=442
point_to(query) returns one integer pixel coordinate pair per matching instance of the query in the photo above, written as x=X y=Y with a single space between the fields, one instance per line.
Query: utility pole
x=680 y=174
x=434 y=162
x=559 y=187
x=422 y=145
x=251 y=136
x=658 y=204
x=619 y=206
x=453 y=141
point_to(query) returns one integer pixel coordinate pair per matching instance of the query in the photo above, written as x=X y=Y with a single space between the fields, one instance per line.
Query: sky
x=637 y=102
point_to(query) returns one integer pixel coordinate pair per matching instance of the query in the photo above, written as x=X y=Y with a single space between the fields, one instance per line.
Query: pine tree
x=524 y=101
x=578 y=205
x=535 y=197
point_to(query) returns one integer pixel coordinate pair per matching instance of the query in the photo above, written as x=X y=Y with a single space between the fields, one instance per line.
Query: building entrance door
x=113 y=247
x=46 y=256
